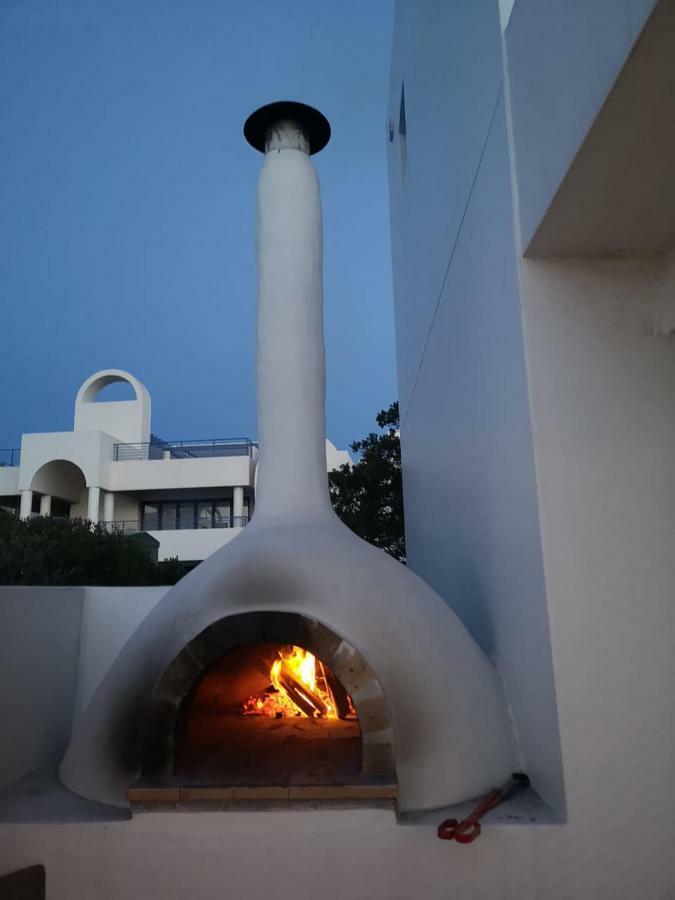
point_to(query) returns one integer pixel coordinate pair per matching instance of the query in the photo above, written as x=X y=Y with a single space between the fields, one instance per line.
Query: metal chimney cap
x=314 y=124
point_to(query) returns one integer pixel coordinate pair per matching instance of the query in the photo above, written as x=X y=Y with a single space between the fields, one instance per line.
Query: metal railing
x=131 y=526
x=184 y=449
x=10 y=457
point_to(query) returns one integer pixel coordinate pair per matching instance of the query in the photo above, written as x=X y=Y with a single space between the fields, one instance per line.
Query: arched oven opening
x=268 y=714
x=267 y=706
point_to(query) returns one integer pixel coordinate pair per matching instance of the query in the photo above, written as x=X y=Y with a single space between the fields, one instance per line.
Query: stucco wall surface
x=345 y=855
x=127 y=509
x=449 y=59
x=563 y=57
x=127 y=420
x=604 y=433
x=40 y=631
x=197 y=543
x=91 y=451
x=110 y=616
x=156 y=474
x=57 y=644
x=472 y=523
x=9 y=480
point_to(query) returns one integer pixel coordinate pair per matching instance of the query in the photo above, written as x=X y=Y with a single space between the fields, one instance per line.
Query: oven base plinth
x=146 y=795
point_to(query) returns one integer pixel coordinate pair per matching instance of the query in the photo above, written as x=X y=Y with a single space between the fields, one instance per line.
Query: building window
x=221 y=513
x=150 y=517
x=186 y=514
x=171 y=515
x=402 y=135
x=205 y=514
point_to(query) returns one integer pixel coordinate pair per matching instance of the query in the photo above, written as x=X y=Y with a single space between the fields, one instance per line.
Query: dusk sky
x=127 y=203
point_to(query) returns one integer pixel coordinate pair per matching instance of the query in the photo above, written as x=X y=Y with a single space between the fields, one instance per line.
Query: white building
x=192 y=496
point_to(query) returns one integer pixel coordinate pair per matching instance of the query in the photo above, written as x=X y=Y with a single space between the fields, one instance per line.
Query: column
x=46 y=505
x=94 y=495
x=26 y=504
x=237 y=506
x=108 y=507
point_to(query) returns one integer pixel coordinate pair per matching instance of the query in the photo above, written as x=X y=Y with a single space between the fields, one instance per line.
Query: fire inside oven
x=268 y=714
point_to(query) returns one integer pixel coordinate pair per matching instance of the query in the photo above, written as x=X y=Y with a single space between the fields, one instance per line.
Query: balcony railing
x=10 y=457
x=131 y=526
x=184 y=449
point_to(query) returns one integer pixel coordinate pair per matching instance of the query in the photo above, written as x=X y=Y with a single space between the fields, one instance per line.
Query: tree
x=73 y=552
x=368 y=496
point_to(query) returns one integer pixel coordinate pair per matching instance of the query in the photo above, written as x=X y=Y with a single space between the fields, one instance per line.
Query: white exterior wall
x=45 y=682
x=547 y=386
x=127 y=420
x=109 y=617
x=161 y=474
x=37 y=676
x=9 y=480
x=472 y=525
x=78 y=510
x=599 y=853
x=336 y=458
x=127 y=509
x=194 y=543
x=90 y=451
x=579 y=43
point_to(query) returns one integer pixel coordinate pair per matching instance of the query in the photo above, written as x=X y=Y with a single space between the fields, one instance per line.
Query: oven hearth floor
x=258 y=751
x=249 y=760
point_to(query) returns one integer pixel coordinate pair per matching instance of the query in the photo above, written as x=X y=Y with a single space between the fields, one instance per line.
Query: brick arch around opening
x=176 y=686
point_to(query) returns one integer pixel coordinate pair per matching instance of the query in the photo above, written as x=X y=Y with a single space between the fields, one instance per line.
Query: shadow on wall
x=472 y=604
x=24 y=884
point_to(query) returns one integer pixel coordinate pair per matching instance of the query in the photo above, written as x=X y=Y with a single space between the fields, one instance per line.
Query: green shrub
x=74 y=552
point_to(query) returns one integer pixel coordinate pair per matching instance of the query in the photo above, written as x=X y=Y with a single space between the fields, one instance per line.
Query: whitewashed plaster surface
x=127 y=420
x=57 y=643
x=549 y=383
x=109 y=617
x=472 y=523
x=448 y=56
x=191 y=544
x=348 y=854
x=38 y=673
x=564 y=57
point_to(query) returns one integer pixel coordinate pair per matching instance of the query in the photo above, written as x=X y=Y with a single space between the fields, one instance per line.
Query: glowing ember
x=300 y=687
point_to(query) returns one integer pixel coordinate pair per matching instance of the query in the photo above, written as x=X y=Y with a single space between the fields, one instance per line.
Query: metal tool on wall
x=469 y=829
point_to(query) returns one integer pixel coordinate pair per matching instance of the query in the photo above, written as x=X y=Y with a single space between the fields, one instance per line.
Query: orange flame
x=302 y=688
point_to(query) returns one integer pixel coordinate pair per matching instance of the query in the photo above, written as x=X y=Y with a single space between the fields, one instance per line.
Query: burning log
x=301 y=684
x=338 y=693
x=304 y=698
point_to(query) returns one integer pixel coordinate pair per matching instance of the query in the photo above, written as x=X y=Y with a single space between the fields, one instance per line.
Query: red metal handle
x=466 y=837
x=446 y=830
x=468 y=829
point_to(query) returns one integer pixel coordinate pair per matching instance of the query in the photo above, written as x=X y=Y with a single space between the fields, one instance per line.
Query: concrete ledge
x=146 y=798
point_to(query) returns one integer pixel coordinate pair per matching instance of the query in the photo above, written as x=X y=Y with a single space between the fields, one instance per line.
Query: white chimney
x=291 y=365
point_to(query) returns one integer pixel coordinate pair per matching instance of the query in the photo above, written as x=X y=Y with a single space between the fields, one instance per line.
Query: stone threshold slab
x=174 y=795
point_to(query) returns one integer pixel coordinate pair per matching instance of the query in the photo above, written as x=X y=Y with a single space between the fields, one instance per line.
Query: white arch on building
x=127 y=420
